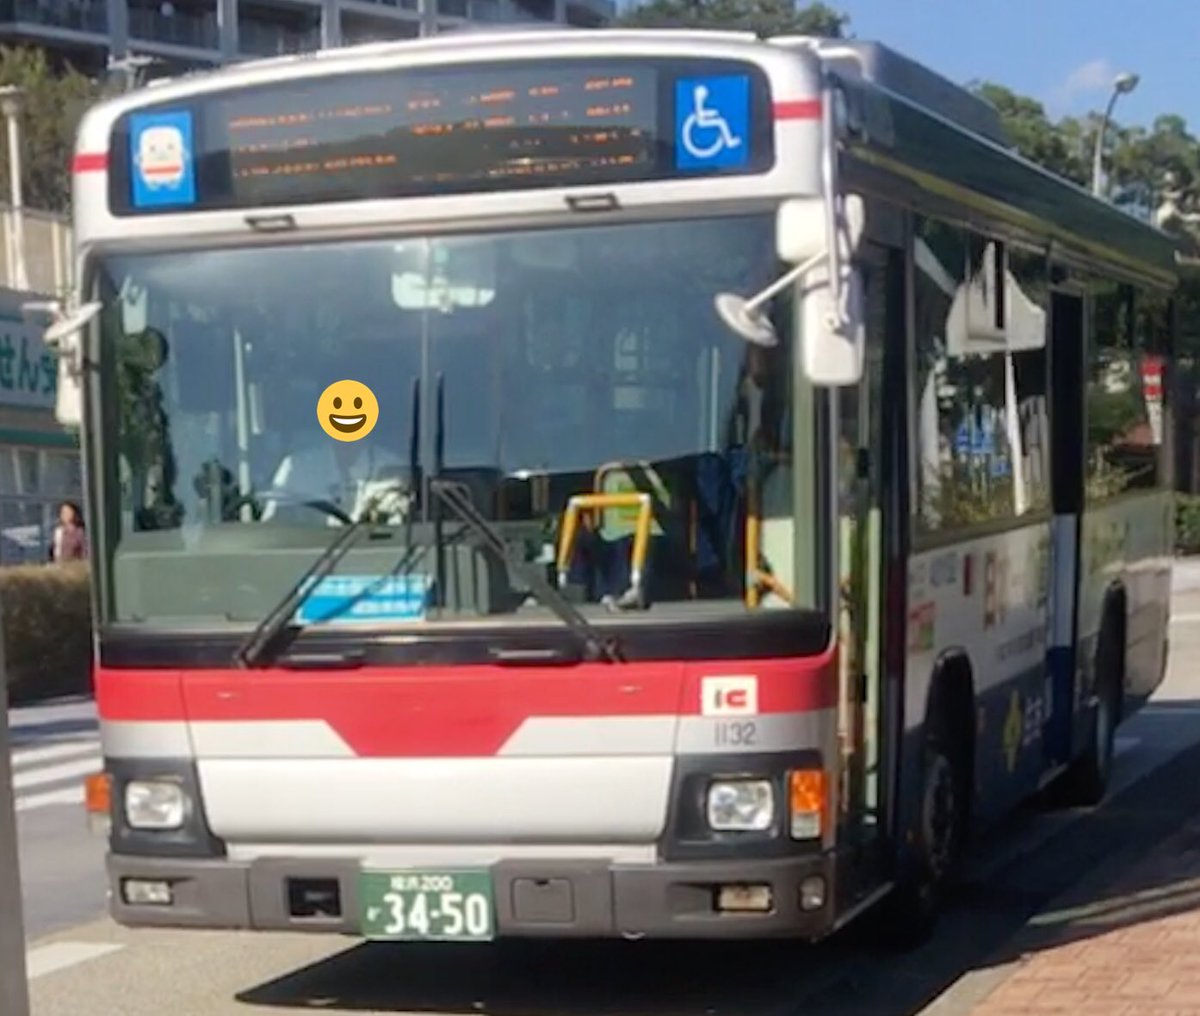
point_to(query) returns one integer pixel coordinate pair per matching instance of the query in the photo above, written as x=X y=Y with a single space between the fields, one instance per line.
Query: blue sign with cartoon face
x=162 y=159
x=712 y=122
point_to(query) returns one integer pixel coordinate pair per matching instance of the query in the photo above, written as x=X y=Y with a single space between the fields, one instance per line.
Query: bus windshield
x=531 y=367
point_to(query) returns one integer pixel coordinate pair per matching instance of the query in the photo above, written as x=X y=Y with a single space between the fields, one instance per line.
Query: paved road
x=1037 y=856
x=62 y=864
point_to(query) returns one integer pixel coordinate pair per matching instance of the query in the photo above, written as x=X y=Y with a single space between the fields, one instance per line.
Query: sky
x=1065 y=53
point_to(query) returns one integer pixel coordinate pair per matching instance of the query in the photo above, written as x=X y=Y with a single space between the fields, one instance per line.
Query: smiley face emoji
x=347 y=410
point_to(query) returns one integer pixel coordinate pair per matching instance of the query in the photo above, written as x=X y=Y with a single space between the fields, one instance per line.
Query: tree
x=1147 y=165
x=54 y=102
x=1144 y=166
x=763 y=17
x=1057 y=147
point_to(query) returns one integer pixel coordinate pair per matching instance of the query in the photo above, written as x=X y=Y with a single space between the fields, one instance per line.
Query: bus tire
x=1085 y=782
x=911 y=911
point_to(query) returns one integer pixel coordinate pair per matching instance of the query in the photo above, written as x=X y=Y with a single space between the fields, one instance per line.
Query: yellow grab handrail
x=579 y=503
x=759 y=580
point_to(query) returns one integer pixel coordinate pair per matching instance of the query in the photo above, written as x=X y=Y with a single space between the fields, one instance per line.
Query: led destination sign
x=443 y=130
x=456 y=130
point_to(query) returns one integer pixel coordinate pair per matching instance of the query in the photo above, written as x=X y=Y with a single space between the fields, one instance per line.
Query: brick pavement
x=1125 y=943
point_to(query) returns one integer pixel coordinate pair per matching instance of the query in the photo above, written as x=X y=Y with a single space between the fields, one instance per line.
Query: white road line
x=48 y=959
x=67 y=749
x=30 y=802
x=40 y=777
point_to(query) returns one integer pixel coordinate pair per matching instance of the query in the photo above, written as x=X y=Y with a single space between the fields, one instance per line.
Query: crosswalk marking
x=70 y=795
x=48 y=772
x=39 y=777
x=23 y=757
x=48 y=959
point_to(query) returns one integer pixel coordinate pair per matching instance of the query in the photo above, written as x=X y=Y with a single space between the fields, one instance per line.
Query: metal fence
x=45 y=239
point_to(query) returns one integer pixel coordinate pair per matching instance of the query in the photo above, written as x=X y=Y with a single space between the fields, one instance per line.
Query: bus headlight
x=155 y=805
x=743 y=805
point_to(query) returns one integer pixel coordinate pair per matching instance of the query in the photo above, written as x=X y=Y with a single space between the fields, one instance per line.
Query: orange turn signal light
x=97 y=793
x=809 y=799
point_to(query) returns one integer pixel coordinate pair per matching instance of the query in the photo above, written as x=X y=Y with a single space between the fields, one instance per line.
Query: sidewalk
x=1125 y=942
x=1185 y=574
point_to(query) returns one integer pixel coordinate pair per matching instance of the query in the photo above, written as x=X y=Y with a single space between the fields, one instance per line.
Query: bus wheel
x=1085 y=782
x=911 y=912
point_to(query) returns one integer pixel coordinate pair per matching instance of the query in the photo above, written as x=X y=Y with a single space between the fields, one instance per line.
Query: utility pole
x=12 y=101
x=14 y=985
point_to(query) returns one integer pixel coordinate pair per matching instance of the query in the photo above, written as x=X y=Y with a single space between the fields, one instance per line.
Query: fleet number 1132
x=735 y=733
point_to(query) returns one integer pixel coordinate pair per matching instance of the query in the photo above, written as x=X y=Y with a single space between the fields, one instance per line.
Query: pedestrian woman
x=70 y=540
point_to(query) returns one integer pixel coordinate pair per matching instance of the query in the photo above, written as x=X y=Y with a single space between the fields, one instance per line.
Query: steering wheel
x=319 y=504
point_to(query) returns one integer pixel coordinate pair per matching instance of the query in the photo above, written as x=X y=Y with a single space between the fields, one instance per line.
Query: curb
x=1131 y=824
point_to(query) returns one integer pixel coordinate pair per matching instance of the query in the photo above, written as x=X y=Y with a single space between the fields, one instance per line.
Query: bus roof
x=911 y=122
x=503 y=41
x=624 y=139
x=905 y=119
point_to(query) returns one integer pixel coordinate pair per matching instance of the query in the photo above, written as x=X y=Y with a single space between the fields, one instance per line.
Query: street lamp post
x=1122 y=84
x=12 y=101
x=14 y=986
x=131 y=66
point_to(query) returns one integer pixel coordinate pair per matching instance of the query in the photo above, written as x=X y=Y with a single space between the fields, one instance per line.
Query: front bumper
x=533 y=899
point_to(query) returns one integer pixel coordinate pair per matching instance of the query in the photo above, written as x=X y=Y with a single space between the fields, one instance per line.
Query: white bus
x=638 y=581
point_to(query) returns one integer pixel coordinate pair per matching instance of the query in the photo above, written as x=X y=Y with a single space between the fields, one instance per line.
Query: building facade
x=183 y=34
x=39 y=458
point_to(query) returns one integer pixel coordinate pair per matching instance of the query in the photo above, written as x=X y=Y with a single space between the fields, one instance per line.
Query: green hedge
x=47 y=630
x=1187 y=523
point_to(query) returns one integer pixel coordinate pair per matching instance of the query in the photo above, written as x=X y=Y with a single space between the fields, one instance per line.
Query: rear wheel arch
x=947 y=763
x=951 y=702
x=1085 y=782
x=1111 y=638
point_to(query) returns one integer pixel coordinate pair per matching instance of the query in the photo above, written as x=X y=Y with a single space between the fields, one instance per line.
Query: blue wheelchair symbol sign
x=712 y=122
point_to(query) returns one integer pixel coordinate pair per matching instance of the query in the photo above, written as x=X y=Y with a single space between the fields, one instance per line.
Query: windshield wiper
x=456 y=497
x=259 y=647
x=256 y=650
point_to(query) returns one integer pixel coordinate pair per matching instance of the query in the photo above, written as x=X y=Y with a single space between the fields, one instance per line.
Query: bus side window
x=1125 y=393
x=979 y=402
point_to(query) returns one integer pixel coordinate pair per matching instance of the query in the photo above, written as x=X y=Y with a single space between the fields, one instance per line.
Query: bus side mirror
x=64 y=337
x=832 y=319
x=831 y=347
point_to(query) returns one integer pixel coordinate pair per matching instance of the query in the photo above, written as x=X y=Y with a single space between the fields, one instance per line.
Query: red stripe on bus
x=90 y=162
x=798 y=109
x=138 y=694
x=435 y=711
